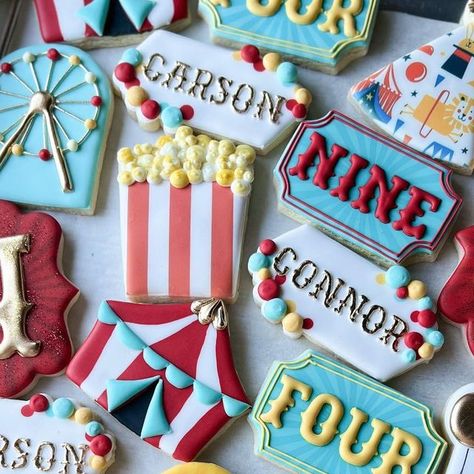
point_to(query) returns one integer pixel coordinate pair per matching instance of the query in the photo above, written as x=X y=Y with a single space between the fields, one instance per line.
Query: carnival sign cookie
x=425 y=99
x=316 y=415
x=384 y=323
x=55 y=114
x=35 y=299
x=53 y=435
x=164 y=371
x=323 y=34
x=171 y=80
x=368 y=191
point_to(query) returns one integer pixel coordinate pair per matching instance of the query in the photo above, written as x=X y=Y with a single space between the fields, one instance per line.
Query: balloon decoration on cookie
x=55 y=111
x=35 y=299
x=164 y=371
x=316 y=415
x=425 y=99
x=53 y=435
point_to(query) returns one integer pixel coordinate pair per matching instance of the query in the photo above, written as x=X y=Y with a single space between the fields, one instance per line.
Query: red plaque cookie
x=35 y=298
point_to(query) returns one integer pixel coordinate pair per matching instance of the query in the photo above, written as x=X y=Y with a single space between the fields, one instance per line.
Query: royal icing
x=368 y=191
x=197 y=468
x=323 y=34
x=183 y=211
x=425 y=99
x=383 y=323
x=459 y=428
x=104 y=22
x=55 y=110
x=170 y=80
x=164 y=371
x=316 y=415
x=456 y=298
x=35 y=298
x=53 y=435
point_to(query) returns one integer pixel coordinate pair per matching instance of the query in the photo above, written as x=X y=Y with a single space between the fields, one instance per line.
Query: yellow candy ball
x=125 y=155
x=236 y=56
x=225 y=177
x=426 y=351
x=303 y=96
x=290 y=306
x=136 y=95
x=271 y=61
x=83 y=415
x=380 y=278
x=74 y=60
x=90 y=124
x=292 y=322
x=17 y=149
x=264 y=274
x=163 y=140
x=416 y=289
x=179 y=179
x=98 y=463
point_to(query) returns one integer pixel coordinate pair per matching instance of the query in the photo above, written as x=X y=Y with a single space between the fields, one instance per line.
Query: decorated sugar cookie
x=183 y=211
x=99 y=23
x=197 y=468
x=384 y=323
x=35 y=299
x=53 y=435
x=468 y=15
x=373 y=194
x=55 y=114
x=171 y=80
x=322 y=34
x=459 y=428
x=456 y=300
x=316 y=415
x=425 y=99
x=164 y=371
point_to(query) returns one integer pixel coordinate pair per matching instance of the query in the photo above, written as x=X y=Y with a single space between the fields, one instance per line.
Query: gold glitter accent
x=462 y=420
x=211 y=310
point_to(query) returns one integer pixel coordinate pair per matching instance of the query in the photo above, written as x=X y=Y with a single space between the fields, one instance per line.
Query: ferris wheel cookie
x=55 y=114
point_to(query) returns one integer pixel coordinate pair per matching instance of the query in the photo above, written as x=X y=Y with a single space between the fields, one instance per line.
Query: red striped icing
x=48 y=21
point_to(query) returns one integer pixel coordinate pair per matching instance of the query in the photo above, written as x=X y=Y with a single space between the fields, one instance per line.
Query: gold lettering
x=78 y=460
x=397 y=330
x=367 y=319
x=236 y=98
x=148 y=70
x=42 y=463
x=22 y=458
x=223 y=92
x=178 y=73
x=354 y=308
x=279 y=257
x=274 y=110
x=199 y=85
x=300 y=270
x=2 y=450
x=326 y=285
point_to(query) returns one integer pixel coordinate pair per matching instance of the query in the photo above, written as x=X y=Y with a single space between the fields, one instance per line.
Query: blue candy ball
x=397 y=276
x=132 y=56
x=435 y=338
x=274 y=310
x=409 y=356
x=171 y=117
x=424 y=303
x=94 y=428
x=63 y=408
x=287 y=73
x=257 y=261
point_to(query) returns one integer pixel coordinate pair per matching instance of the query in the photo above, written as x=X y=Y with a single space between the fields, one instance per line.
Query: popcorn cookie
x=164 y=371
x=35 y=300
x=383 y=323
x=197 y=468
x=371 y=193
x=183 y=205
x=102 y=23
x=425 y=99
x=456 y=298
x=53 y=435
x=171 y=80
x=315 y=415
x=324 y=35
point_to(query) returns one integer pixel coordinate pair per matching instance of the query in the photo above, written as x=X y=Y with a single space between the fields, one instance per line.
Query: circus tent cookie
x=35 y=299
x=320 y=36
x=371 y=193
x=456 y=300
x=164 y=371
x=316 y=415
x=99 y=23
x=459 y=428
x=53 y=435
x=183 y=205
x=171 y=80
x=384 y=323
x=425 y=99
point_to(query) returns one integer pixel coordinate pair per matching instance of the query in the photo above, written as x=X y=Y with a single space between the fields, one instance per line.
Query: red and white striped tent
x=161 y=372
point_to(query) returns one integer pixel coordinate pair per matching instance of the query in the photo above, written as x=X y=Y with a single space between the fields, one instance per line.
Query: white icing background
x=92 y=258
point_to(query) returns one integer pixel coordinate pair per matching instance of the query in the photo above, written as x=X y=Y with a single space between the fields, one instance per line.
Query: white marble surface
x=93 y=258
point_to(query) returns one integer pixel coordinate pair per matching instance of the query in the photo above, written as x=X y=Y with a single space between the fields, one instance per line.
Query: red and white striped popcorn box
x=182 y=240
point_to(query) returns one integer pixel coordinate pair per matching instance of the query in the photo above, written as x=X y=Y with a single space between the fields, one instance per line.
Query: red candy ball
x=6 y=68
x=267 y=247
x=413 y=340
x=280 y=279
x=125 y=72
x=187 y=111
x=250 y=53
x=414 y=316
x=402 y=292
x=258 y=66
x=53 y=54
x=44 y=154
x=291 y=104
x=96 y=101
x=299 y=111
x=268 y=289
x=427 y=318
x=150 y=109
x=307 y=323
x=101 y=445
x=39 y=403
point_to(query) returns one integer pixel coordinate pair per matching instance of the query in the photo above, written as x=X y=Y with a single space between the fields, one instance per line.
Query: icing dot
x=94 y=428
x=258 y=66
x=6 y=68
x=179 y=179
x=274 y=310
x=435 y=338
x=258 y=261
x=299 y=111
x=414 y=316
x=53 y=54
x=303 y=96
x=250 y=53
x=380 y=278
x=132 y=56
x=96 y=101
x=28 y=57
x=287 y=73
x=416 y=289
x=187 y=111
x=426 y=351
x=83 y=415
x=225 y=177
x=98 y=463
x=308 y=323
x=264 y=274
x=427 y=318
x=402 y=292
x=125 y=72
x=44 y=154
x=72 y=145
x=280 y=279
x=101 y=445
x=267 y=247
x=397 y=276
x=271 y=61
x=136 y=96
x=17 y=149
x=150 y=109
x=292 y=322
x=74 y=60
x=26 y=411
x=172 y=117
x=90 y=77
x=63 y=408
x=39 y=403
x=409 y=356
x=90 y=124
x=268 y=289
x=413 y=340
x=424 y=303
